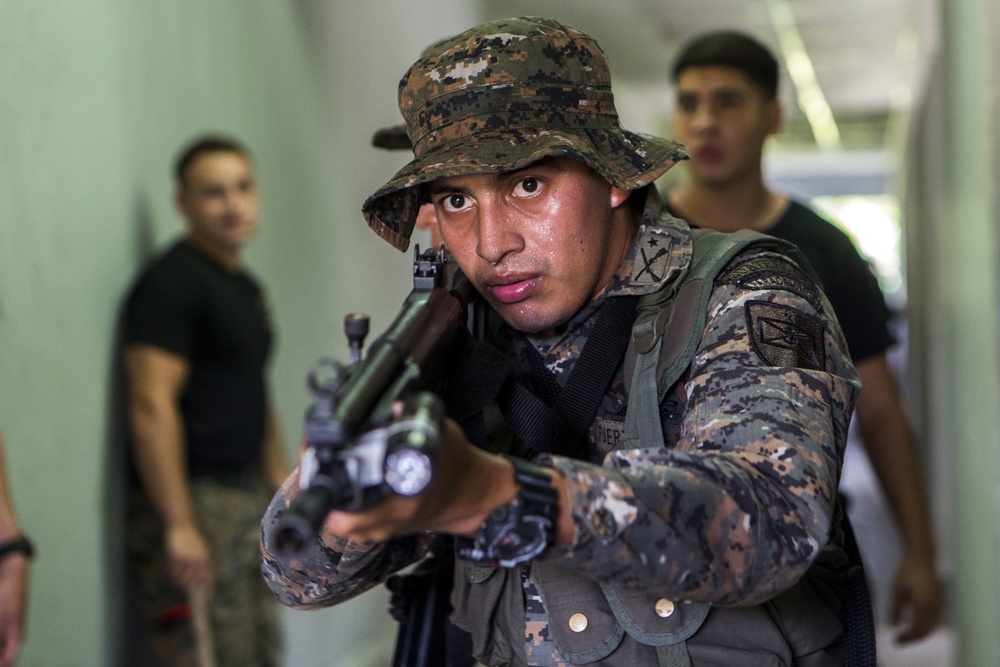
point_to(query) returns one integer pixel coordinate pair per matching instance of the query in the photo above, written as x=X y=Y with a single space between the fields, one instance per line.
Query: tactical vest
x=591 y=624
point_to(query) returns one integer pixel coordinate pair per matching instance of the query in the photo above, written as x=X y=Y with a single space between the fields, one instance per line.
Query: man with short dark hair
x=700 y=529
x=726 y=108
x=205 y=443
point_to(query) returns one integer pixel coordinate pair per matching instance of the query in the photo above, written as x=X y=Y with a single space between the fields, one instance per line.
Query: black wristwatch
x=19 y=544
x=520 y=530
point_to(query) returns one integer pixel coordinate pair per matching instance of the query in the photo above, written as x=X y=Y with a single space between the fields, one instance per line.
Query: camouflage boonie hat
x=501 y=96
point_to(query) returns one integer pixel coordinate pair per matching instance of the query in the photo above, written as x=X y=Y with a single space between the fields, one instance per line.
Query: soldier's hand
x=468 y=483
x=916 y=599
x=189 y=561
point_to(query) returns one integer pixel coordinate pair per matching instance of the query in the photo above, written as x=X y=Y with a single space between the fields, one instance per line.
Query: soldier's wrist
x=17 y=545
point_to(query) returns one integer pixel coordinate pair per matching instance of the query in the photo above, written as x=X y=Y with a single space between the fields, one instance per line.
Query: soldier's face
x=538 y=243
x=723 y=119
x=219 y=201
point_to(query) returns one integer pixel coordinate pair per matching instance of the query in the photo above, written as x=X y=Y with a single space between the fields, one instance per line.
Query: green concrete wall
x=95 y=98
x=970 y=354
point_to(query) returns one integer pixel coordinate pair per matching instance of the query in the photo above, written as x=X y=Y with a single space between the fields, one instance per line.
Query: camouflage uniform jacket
x=735 y=512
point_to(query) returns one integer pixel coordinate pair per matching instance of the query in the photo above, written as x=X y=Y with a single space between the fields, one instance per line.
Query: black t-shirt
x=217 y=320
x=846 y=278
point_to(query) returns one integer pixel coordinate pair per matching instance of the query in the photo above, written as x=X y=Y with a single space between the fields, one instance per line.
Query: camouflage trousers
x=243 y=613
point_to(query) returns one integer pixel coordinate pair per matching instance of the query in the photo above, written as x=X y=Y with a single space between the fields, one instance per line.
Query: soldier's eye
x=687 y=104
x=454 y=202
x=731 y=101
x=528 y=185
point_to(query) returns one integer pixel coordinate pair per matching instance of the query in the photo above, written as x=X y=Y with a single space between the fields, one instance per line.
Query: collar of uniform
x=660 y=250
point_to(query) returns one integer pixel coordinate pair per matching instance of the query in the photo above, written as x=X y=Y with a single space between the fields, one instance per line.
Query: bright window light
x=872 y=222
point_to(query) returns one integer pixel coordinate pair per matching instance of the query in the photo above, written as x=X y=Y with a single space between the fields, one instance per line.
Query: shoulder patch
x=652 y=260
x=785 y=336
x=772 y=272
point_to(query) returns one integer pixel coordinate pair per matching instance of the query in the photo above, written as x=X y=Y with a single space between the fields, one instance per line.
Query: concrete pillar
x=969 y=309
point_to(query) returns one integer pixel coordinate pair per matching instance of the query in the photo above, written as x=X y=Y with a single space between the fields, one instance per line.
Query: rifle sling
x=560 y=428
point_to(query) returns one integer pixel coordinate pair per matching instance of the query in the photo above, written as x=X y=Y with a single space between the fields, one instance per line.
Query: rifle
x=373 y=426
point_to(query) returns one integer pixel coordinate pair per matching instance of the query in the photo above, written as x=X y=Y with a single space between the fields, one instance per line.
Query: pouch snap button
x=664 y=607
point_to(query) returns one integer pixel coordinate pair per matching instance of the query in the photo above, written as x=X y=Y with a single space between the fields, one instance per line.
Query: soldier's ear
x=180 y=202
x=776 y=117
x=617 y=196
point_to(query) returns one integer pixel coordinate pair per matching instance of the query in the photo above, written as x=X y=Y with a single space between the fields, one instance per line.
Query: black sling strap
x=559 y=429
x=859 y=622
x=481 y=370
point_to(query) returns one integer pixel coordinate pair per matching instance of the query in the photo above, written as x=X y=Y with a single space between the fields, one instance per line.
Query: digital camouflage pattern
x=332 y=569
x=737 y=507
x=243 y=614
x=504 y=95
